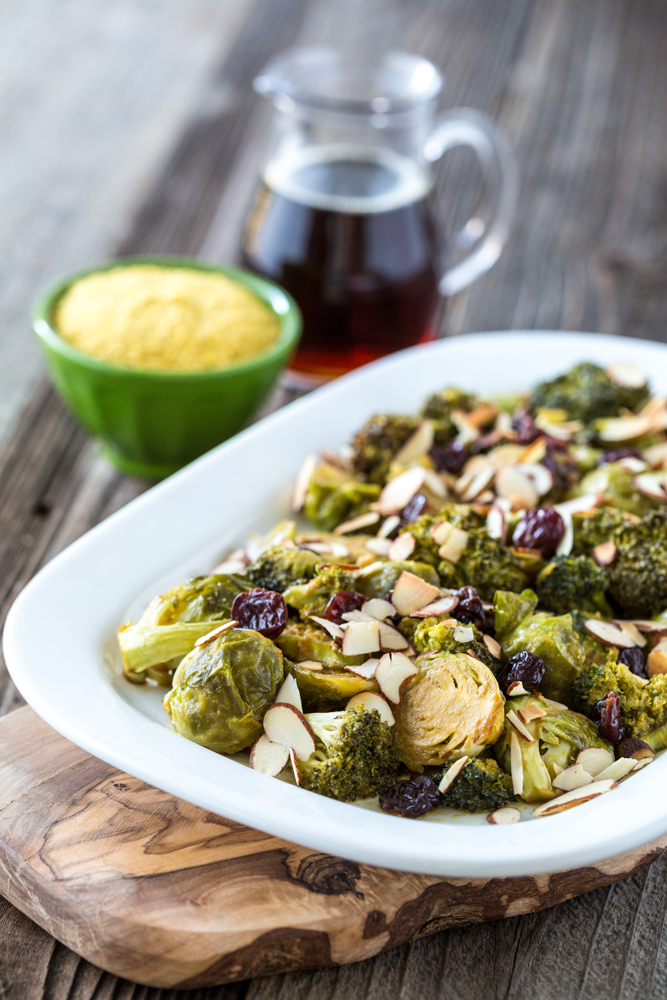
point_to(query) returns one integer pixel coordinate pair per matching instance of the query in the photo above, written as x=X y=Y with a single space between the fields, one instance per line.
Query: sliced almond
x=617 y=770
x=334 y=630
x=478 y=484
x=371 y=700
x=531 y=712
x=571 y=777
x=440 y=532
x=360 y=638
x=377 y=608
x=402 y=547
x=210 y=636
x=267 y=757
x=608 y=633
x=450 y=776
x=516 y=763
x=516 y=689
x=508 y=814
x=535 y=452
x=539 y=475
x=289 y=694
x=651 y=486
x=441 y=607
x=391 y=639
x=642 y=763
x=567 y=541
x=434 y=483
x=632 y=464
x=294 y=761
x=496 y=519
x=388 y=525
x=301 y=483
x=287 y=725
x=516 y=487
x=378 y=546
x=393 y=673
x=656 y=662
x=656 y=455
x=605 y=553
x=454 y=546
x=363 y=521
x=411 y=593
x=463 y=633
x=646 y=625
x=417 y=444
x=594 y=759
x=467 y=432
x=230 y=566
x=365 y=670
x=632 y=632
x=399 y=491
x=493 y=646
x=625 y=428
x=519 y=726
x=627 y=375
x=574 y=798
x=357 y=616
x=580 y=504
x=334 y=549
x=311 y=665
x=562 y=431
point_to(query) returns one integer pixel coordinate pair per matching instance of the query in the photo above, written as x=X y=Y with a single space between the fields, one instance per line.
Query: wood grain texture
x=580 y=89
x=162 y=892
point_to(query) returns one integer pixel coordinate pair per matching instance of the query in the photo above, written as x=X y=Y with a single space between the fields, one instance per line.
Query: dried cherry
x=449 y=457
x=561 y=464
x=341 y=603
x=470 y=609
x=634 y=660
x=413 y=509
x=528 y=668
x=607 y=715
x=616 y=454
x=411 y=798
x=263 y=610
x=524 y=427
x=540 y=528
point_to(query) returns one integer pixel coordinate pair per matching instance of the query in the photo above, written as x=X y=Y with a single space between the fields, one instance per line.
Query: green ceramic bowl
x=153 y=423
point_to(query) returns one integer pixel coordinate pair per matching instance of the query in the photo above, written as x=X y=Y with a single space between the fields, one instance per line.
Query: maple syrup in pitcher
x=350 y=234
x=343 y=217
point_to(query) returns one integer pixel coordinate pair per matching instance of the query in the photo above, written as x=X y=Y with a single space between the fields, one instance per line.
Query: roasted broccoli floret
x=434 y=635
x=312 y=598
x=586 y=393
x=643 y=704
x=638 y=574
x=568 y=582
x=355 y=756
x=453 y=706
x=378 y=579
x=333 y=497
x=374 y=446
x=593 y=528
x=481 y=786
x=172 y=623
x=488 y=565
x=558 y=736
x=438 y=408
x=459 y=514
x=279 y=567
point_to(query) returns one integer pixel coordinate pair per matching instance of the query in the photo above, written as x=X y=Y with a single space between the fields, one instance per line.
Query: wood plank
x=149 y=887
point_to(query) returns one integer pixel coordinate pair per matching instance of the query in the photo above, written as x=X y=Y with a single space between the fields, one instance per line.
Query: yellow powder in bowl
x=164 y=318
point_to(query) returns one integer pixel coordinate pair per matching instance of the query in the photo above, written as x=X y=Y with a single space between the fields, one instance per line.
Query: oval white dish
x=60 y=648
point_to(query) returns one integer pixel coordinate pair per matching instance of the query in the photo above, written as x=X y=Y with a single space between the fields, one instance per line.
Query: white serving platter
x=60 y=648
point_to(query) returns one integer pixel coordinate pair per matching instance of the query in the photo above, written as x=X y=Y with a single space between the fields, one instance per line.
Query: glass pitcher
x=344 y=217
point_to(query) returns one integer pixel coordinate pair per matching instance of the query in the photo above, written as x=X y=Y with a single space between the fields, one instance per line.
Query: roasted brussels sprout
x=223 y=688
x=172 y=623
x=329 y=688
x=616 y=485
x=480 y=787
x=452 y=707
x=312 y=598
x=374 y=446
x=333 y=496
x=568 y=582
x=558 y=736
x=510 y=609
x=279 y=567
x=556 y=642
x=643 y=703
x=638 y=574
x=301 y=640
x=586 y=393
x=378 y=579
x=355 y=756
x=596 y=651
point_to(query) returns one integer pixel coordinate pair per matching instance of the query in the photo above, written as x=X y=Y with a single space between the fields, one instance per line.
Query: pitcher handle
x=468 y=127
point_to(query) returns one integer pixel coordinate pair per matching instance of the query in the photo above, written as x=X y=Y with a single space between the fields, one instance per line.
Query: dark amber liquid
x=366 y=281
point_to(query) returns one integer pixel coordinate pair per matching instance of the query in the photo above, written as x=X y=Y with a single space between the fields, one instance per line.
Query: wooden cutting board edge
x=161 y=892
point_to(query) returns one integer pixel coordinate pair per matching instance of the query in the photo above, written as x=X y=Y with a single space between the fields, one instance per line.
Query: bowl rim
x=279 y=301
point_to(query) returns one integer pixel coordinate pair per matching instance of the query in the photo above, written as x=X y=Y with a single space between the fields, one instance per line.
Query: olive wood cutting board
x=161 y=892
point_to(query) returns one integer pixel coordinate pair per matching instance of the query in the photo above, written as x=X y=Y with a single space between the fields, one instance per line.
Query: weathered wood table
x=580 y=88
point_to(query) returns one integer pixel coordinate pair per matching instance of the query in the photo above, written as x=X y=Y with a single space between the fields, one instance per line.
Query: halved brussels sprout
x=327 y=689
